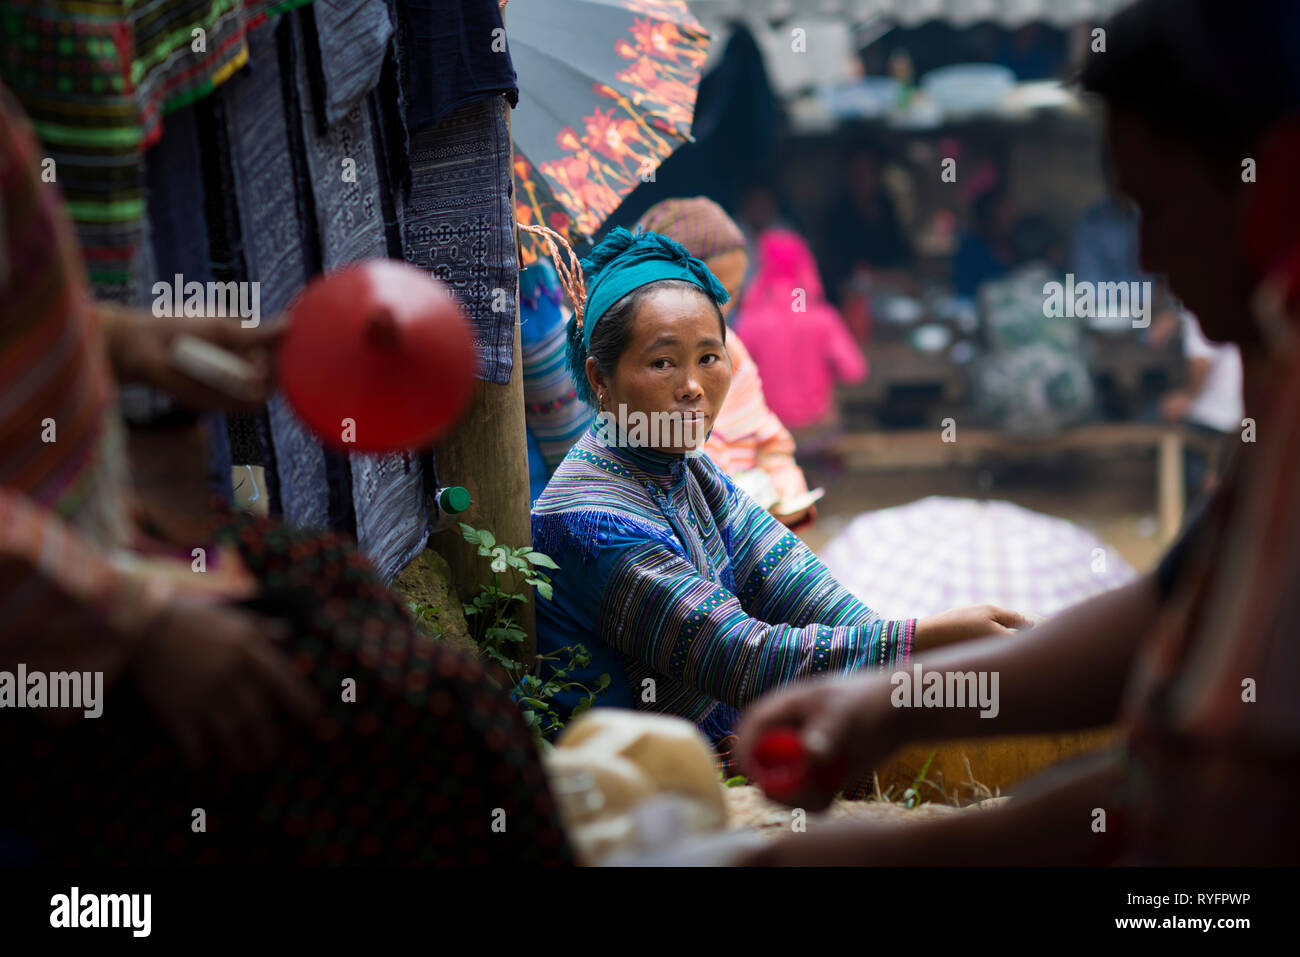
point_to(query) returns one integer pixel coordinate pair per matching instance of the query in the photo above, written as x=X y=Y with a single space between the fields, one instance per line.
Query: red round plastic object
x=782 y=763
x=378 y=357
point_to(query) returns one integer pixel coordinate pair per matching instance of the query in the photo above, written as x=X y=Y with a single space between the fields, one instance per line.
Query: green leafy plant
x=494 y=627
x=427 y=615
x=535 y=690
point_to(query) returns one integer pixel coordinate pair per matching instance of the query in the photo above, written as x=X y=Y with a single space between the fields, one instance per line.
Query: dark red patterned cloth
x=418 y=770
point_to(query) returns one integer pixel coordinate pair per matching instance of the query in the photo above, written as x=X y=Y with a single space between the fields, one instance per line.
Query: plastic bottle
x=453 y=500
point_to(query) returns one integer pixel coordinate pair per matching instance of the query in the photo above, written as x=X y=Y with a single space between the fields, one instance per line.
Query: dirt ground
x=748 y=808
x=426 y=582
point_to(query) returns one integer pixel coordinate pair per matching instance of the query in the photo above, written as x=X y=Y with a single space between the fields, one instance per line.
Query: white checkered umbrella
x=958 y=13
x=940 y=553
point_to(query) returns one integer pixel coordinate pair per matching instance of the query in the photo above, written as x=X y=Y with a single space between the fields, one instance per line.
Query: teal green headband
x=625 y=261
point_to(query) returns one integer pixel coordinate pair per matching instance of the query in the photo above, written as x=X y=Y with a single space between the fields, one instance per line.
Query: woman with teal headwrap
x=692 y=597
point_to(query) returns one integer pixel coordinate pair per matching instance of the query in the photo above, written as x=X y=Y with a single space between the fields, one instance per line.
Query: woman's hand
x=962 y=624
x=846 y=725
x=139 y=347
x=218 y=683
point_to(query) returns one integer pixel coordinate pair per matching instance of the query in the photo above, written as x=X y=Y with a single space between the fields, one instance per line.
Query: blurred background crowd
x=937 y=170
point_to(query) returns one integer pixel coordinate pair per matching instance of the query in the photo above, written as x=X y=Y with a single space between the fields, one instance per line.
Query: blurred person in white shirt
x=1210 y=402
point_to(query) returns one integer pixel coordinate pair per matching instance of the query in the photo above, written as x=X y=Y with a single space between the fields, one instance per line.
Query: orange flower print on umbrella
x=611 y=137
x=606 y=93
x=658 y=39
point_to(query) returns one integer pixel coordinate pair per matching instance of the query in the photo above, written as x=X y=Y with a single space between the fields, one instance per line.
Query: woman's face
x=674 y=374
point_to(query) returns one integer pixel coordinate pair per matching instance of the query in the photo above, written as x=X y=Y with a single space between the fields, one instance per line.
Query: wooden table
x=896 y=364
x=925 y=448
x=907 y=383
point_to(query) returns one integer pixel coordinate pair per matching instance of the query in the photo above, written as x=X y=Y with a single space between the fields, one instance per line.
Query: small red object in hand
x=378 y=357
x=782 y=763
x=784 y=768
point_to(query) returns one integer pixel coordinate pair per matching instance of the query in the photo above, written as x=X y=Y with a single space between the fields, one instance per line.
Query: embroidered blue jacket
x=685 y=591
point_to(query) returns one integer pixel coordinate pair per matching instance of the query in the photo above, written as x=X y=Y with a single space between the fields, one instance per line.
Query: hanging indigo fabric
x=347 y=181
x=392 y=513
x=391 y=99
x=342 y=173
x=352 y=38
x=175 y=194
x=456 y=54
x=275 y=252
x=459 y=223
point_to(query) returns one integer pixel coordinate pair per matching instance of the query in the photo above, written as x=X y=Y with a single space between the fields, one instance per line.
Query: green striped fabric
x=97 y=78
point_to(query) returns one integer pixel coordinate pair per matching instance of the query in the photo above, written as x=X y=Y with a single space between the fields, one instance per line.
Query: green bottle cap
x=454 y=499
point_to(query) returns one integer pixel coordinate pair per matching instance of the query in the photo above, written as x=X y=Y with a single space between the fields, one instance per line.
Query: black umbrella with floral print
x=606 y=93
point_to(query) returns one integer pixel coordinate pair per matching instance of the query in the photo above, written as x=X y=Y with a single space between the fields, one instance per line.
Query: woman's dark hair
x=1211 y=74
x=609 y=340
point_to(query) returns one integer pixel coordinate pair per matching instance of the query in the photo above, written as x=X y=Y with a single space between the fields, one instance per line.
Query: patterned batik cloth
x=178 y=224
x=342 y=174
x=685 y=591
x=345 y=176
x=301 y=208
x=414 y=771
x=1213 y=709
x=459 y=223
x=97 y=80
x=353 y=38
x=271 y=215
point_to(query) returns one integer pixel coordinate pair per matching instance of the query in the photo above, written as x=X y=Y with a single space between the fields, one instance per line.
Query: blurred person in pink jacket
x=797 y=338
